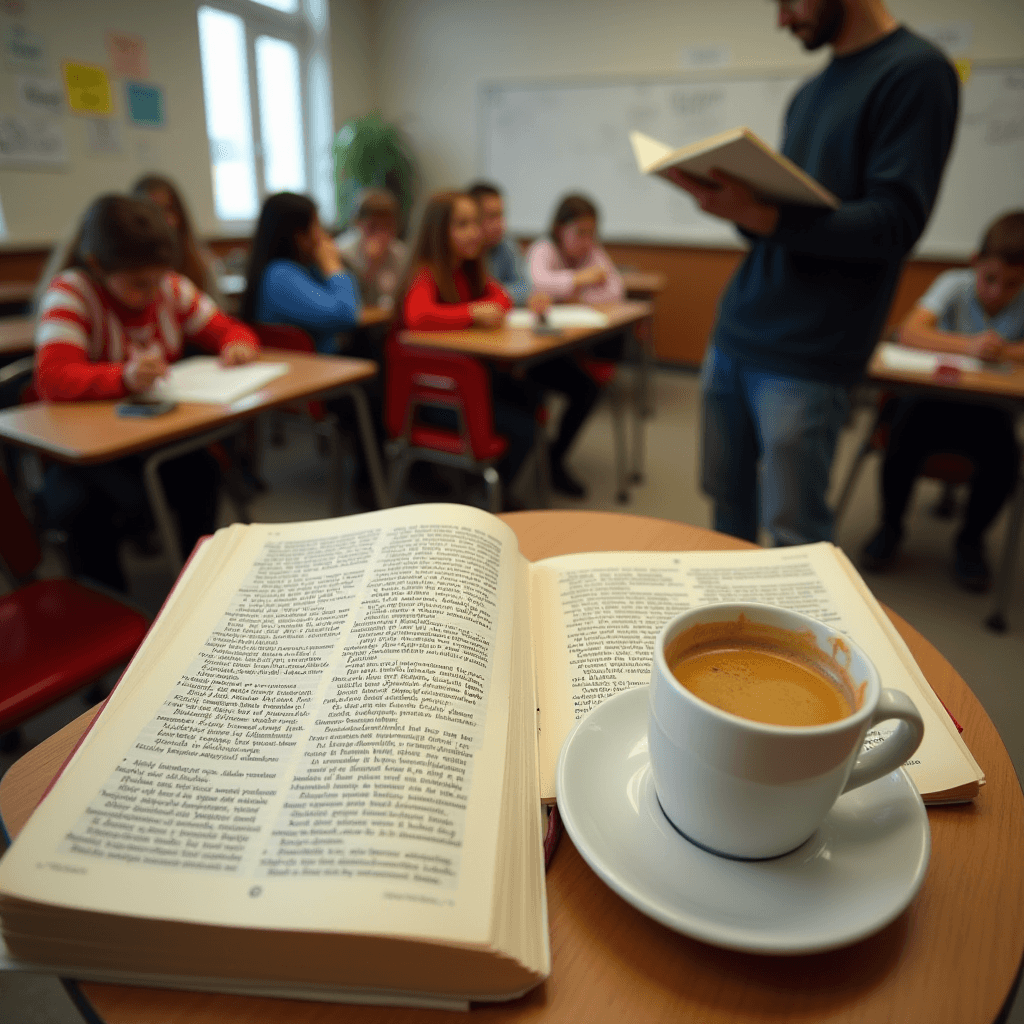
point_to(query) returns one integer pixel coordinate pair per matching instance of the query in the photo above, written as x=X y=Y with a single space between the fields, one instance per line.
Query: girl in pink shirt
x=572 y=266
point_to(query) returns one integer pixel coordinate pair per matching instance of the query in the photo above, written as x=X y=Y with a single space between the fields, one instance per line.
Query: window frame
x=310 y=41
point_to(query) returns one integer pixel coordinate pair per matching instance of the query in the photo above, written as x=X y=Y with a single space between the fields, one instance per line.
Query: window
x=266 y=85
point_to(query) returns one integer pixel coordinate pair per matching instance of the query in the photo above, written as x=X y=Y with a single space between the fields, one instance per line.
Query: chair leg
x=493 y=484
x=542 y=465
x=401 y=463
x=851 y=479
x=1004 y=578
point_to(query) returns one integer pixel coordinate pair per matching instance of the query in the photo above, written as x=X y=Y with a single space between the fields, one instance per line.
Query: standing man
x=799 y=319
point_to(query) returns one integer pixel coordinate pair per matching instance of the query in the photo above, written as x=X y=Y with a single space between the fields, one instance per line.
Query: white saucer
x=857 y=873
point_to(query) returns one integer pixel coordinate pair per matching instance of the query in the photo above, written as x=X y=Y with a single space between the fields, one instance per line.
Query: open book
x=739 y=152
x=321 y=775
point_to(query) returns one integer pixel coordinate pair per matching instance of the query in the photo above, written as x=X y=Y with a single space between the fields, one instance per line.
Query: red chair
x=417 y=379
x=56 y=636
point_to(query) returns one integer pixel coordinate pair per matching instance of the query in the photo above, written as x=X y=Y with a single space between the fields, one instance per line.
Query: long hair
x=120 y=233
x=190 y=258
x=283 y=216
x=433 y=251
x=572 y=207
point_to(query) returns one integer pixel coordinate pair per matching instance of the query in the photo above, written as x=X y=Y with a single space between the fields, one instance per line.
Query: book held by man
x=740 y=153
x=322 y=774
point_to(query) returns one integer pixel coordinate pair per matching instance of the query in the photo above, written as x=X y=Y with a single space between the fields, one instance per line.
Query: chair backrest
x=19 y=548
x=285 y=336
x=418 y=376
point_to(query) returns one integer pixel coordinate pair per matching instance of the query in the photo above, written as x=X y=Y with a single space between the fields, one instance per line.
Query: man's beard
x=828 y=25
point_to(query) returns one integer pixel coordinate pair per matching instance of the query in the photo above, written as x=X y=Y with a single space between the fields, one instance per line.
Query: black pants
x=97 y=506
x=566 y=377
x=981 y=433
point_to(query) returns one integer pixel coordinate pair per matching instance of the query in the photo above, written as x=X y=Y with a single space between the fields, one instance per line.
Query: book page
x=320 y=744
x=597 y=617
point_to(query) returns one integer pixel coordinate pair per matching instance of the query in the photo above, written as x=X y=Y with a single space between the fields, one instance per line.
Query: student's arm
x=424 y=310
x=63 y=370
x=548 y=272
x=295 y=296
x=209 y=328
x=920 y=330
x=613 y=288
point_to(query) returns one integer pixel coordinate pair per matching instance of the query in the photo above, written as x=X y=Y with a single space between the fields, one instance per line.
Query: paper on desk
x=915 y=360
x=559 y=317
x=204 y=379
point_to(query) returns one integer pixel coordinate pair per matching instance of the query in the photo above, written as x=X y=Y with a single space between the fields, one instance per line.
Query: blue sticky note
x=145 y=104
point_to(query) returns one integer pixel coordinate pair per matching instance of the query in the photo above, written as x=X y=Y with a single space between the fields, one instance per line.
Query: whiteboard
x=539 y=141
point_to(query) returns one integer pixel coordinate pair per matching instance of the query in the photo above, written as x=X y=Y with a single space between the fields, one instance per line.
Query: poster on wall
x=41 y=95
x=145 y=104
x=23 y=50
x=88 y=89
x=28 y=140
x=128 y=56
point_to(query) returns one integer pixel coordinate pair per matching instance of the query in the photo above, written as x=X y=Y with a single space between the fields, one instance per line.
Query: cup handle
x=895 y=749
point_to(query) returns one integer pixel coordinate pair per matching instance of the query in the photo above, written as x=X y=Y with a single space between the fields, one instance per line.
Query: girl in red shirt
x=449 y=290
x=109 y=324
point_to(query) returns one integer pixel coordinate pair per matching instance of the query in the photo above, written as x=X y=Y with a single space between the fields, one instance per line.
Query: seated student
x=448 y=289
x=195 y=261
x=572 y=266
x=563 y=374
x=296 y=275
x=978 y=312
x=109 y=324
x=372 y=250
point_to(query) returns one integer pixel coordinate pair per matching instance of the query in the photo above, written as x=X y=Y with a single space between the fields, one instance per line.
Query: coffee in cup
x=756 y=725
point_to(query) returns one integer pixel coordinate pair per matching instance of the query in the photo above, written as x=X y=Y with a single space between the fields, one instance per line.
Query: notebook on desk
x=205 y=379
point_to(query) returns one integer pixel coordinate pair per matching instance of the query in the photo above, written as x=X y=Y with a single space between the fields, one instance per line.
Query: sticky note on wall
x=145 y=104
x=88 y=89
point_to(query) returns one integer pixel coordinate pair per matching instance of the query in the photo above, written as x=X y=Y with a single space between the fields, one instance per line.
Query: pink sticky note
x=128 y=57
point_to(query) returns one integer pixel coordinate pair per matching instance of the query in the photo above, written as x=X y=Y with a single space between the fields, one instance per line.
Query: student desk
x=86 y=433
x=17 y=335
x=952 y=956
x=521 y=347
x=1004 y=389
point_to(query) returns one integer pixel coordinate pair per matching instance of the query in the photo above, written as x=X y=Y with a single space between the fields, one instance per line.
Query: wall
x=433 y=56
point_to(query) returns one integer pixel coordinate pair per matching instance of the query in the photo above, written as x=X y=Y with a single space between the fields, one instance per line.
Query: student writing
x=296 y=275
x=109 y=324
x=977 y=312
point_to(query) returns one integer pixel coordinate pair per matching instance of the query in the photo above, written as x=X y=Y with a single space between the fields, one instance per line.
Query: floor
x=919 y=588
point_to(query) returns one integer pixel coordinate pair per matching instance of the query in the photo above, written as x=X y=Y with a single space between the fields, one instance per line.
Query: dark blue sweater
x=874 y=127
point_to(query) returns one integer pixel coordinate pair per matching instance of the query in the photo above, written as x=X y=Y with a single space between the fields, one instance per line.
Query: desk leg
x=155 y=488
x=369 y=441
x=641 y=406
x=1004 y=583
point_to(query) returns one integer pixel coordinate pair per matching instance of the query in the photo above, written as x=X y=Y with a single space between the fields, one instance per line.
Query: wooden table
x=17 y=335
x=643 y=284
x=952 y=956
x=520 y=347
x=87 y=433
x=993 y=387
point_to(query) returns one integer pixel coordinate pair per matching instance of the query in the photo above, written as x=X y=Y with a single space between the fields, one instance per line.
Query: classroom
x=538 y=99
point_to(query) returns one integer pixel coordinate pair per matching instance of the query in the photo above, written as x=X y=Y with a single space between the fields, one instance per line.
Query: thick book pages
x=318 y=777
x=596 y=617
x=739 y=152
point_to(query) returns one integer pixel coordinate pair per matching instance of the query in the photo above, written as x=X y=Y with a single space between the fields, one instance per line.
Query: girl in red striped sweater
x=108 y=325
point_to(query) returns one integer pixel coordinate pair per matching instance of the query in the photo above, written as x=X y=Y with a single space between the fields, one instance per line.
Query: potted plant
x=371 y=152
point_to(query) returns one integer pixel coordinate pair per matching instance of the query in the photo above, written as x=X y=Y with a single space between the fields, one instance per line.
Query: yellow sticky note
x=88 y=89
x=963 y=69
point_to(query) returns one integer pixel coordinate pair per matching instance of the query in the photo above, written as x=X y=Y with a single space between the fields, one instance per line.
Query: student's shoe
x=880 y=552
x=970 y=570
x=563 y=482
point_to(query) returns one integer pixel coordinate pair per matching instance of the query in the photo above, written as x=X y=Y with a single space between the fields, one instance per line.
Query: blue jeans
x=787 y=424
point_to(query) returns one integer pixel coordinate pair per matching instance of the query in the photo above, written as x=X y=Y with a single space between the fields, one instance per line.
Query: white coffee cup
x=751 y=790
